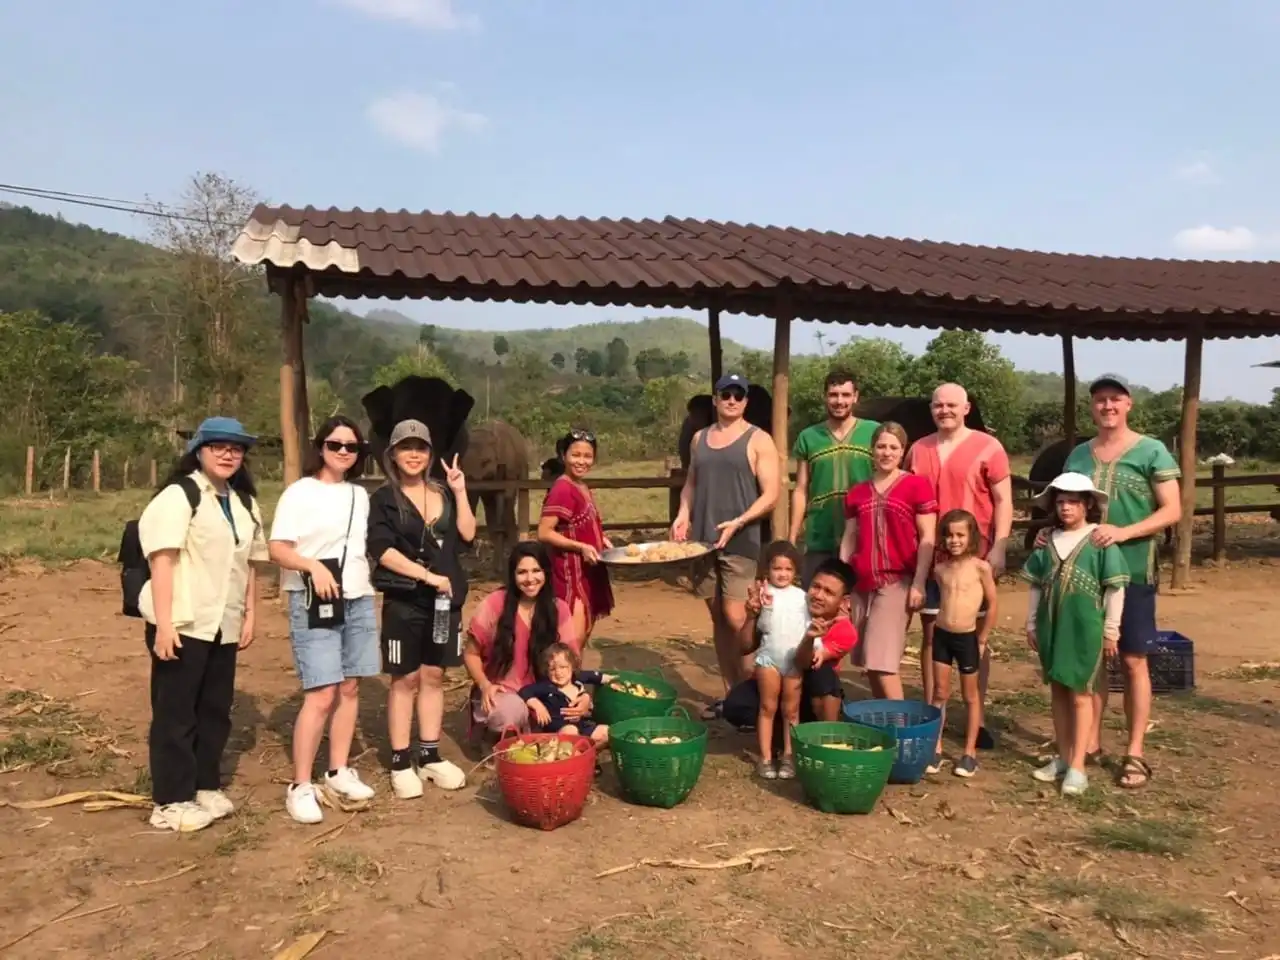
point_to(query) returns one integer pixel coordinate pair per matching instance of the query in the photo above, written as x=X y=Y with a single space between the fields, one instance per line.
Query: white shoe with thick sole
x=445 y=775
x=347 y=784
x=303 y=804
x=405 y=784
x=186 y=817
x=216 y=803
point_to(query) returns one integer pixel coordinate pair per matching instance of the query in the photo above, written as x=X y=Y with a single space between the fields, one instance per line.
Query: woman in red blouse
x=888 y=540
x=570 y=525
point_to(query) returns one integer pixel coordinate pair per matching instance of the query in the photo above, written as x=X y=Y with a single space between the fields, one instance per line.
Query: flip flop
x=1135 y=773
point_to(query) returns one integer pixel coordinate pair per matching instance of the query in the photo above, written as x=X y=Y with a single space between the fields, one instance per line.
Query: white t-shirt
x=312 y=515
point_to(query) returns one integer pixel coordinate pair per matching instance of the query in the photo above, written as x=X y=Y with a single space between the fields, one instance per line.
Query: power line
x=138 y=207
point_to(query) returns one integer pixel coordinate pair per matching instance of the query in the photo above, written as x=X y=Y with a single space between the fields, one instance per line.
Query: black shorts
x=1138 y=633
x=406 y=638
x=822 y=682
x=958 y=648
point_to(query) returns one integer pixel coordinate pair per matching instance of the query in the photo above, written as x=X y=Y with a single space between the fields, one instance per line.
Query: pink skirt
x=882 y=621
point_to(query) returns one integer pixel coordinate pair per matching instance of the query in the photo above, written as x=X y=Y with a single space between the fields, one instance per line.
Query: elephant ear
x=700 y=403
x=460 y=407
x=378 y=405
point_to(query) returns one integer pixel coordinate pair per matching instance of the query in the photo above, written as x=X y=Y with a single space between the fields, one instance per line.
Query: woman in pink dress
x=508 y=633
x=888 y=540
x=570 y=526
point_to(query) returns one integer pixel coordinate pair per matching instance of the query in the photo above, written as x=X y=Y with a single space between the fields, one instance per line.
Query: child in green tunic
x=1073 y=618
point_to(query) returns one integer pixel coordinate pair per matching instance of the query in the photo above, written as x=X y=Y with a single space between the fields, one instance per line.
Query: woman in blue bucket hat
x=201 y=533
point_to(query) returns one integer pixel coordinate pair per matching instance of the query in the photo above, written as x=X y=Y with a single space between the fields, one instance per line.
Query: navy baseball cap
x=732 y=380
x=1111 y=380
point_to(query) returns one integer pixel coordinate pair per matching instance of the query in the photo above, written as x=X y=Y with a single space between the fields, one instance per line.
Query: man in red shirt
x=969 y=471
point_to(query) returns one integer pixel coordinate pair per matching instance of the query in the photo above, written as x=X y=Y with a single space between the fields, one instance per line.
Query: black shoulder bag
x=322 y=613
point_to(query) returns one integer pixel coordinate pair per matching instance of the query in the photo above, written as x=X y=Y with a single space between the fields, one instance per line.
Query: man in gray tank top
x=732 y=484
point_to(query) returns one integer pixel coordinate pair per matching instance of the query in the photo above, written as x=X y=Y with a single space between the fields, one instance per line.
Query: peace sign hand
x=453 y=476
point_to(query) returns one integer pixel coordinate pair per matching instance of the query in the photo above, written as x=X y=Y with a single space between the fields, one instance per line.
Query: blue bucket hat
x=220 y=430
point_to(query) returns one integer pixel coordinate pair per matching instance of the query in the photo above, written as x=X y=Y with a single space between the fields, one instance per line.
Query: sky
x=1143 y=128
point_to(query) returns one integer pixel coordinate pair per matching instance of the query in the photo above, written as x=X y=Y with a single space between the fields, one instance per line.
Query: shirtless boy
x=966 y=586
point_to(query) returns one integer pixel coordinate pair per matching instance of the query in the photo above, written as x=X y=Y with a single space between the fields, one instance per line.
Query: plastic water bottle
x=441 y=620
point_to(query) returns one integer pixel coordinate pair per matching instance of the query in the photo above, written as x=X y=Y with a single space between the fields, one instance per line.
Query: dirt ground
x=994 y=867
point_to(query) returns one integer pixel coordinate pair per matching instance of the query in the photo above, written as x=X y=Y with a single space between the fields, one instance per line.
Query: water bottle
x=441 y=620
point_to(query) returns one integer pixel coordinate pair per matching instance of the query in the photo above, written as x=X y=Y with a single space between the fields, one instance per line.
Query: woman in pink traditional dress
x=570 y=525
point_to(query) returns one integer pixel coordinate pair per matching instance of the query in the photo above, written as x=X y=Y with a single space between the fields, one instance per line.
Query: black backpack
x=135 y=571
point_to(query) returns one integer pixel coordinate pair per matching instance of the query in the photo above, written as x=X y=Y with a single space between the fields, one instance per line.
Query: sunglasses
x=733 y=393
x=582 y=436
x=337 y=446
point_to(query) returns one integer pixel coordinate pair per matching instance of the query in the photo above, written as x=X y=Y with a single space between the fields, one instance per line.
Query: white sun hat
x=1070 y=483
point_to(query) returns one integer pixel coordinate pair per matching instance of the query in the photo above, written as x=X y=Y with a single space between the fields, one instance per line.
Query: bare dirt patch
x=994 y=867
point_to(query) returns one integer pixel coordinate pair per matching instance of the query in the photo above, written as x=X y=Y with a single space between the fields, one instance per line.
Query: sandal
x=713 y=710
x=1096 y=759
x=1135 y=773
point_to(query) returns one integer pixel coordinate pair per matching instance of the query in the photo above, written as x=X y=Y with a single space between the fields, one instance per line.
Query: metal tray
x=617 y=556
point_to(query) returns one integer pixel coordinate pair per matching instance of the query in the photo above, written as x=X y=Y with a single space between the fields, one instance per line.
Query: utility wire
x=138 y=207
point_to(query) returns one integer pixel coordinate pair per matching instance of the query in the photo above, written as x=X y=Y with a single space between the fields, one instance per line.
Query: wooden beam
x=301 y=403
x=1187 y=455
x=781 y=384
x=289 y=437
x=1069 y=391
x=717 y=352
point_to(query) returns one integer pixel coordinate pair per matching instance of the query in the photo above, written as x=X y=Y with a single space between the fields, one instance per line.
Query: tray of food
x=657 y=551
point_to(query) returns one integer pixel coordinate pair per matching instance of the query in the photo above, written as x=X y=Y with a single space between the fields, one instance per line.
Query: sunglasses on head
x=733 y=393
x=337 y=446
x=582 y=436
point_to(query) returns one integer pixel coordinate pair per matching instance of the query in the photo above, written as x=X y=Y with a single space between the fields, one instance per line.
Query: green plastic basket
x=613 y=706
x=843 y=781
x=658 y=774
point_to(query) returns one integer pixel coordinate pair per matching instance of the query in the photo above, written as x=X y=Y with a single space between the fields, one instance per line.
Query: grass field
x=87 y=526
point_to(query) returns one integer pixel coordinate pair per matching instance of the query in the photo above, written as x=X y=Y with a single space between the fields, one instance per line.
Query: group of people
x=892 y=528
x=865 y=552
x=337 y=546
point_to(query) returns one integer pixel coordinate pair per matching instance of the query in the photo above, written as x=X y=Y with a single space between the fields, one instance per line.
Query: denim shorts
x=324 y=656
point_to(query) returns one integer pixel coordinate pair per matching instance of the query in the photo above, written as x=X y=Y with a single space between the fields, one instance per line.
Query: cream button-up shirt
x=212 y=574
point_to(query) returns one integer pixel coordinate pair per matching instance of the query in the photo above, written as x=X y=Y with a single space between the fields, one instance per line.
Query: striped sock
x=428 y=752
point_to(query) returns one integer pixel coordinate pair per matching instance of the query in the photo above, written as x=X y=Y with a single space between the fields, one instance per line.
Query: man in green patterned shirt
x=831 y=457
x=1140 y=478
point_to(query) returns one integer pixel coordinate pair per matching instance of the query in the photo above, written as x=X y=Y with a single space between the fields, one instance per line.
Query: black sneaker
x=966 y=767
x=985 y=740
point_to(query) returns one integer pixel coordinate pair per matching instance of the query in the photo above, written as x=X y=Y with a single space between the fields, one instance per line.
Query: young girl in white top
x=781 y=623
x=318 y=538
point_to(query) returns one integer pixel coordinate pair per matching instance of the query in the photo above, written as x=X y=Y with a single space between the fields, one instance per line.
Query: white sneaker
x=303 y=804
x=185 y=817
x=405 y=784
x=445 y=775
x=216 y=803
x=348 y=785
x=1051 y=771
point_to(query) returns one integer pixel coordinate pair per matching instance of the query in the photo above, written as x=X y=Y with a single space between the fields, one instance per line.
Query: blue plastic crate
x=1172 y=663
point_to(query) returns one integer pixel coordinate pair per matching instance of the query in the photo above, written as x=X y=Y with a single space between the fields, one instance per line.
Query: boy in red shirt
x=831 y=636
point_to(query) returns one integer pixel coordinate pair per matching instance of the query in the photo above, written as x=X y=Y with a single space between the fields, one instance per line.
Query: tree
x=557 y=360
x=428 y=335
x=421 y=362
x=652 y=362
x=665 y=399
x=595 y=363
x=581 y=356
x=965 y=357
x=500 y=346
x=615 y=357
x=756 y=366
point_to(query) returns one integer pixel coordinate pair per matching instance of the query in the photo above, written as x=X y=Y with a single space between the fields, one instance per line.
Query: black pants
x=190 y=716
x=742 y=704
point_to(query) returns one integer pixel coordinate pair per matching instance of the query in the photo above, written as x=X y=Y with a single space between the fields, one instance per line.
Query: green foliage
x=500 y=346
x=421 y=363
x=656 y=362
x=965 y=357
x=616 y=353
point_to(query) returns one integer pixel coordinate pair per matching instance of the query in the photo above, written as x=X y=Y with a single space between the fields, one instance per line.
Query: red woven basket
x=546 y=795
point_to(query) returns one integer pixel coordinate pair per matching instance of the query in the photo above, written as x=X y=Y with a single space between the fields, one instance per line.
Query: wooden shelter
x=782 y=273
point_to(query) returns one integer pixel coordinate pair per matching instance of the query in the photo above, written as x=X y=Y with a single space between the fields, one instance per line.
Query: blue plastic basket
x=915 y=724
x=1171 y=662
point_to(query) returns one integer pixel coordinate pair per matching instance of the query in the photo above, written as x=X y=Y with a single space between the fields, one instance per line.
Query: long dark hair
x=241 y=481
x=313 y=457
x=1092 y=512
x=544 y=625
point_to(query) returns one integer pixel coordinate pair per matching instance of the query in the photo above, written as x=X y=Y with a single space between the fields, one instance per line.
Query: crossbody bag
x=328 y=613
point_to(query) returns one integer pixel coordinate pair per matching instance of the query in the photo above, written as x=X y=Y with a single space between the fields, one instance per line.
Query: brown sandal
x=1135 y=773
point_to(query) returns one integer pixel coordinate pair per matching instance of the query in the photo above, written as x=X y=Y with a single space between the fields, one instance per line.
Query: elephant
x=701 y=413
x=913 y=414
x=496 y=451
x=444 y=409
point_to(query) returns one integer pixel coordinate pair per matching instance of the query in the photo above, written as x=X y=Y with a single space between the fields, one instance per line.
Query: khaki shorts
x=725 y=575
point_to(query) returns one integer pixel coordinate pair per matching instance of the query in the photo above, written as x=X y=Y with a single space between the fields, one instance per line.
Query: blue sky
x=1143 y=128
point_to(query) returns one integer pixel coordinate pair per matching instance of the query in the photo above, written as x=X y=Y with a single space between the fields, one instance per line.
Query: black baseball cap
x=732 y=380
x=1113 y=380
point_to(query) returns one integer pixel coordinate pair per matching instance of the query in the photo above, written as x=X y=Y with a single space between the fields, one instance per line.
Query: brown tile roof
x=743 y=269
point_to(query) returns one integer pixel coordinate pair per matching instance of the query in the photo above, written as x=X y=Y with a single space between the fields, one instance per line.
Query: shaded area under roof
x=813 y=275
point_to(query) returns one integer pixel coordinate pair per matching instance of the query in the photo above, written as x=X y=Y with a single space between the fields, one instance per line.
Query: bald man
x=970 y=471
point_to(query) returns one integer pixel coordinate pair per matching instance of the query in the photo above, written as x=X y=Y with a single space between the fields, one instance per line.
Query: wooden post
x=31 y=470
x=124 y=480
x=66 y=471
x=289 y=436
x=153 y=478
x=1187 y=455
x=97 y=472
x=1219 y=512
x=301 y=402
x=1069 y=391
x=781 y=382
x=717 y=353
x=522 y=513
x=674 y=470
